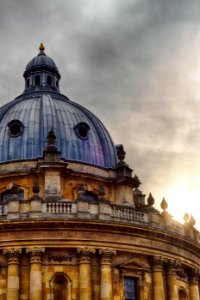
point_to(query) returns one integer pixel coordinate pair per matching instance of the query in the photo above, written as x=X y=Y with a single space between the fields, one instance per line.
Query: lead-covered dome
x=41 y=62
x=26 y=121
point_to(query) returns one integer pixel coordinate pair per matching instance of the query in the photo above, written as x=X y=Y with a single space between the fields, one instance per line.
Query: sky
x=133 y=63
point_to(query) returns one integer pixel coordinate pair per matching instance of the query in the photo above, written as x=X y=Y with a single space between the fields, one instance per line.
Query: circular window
x=16 y=128
x=82 y=130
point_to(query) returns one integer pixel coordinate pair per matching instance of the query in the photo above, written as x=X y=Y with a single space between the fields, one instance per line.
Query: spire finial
x=41 y=48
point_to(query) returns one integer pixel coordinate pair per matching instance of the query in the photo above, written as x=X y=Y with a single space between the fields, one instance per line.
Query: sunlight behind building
x=182 y=199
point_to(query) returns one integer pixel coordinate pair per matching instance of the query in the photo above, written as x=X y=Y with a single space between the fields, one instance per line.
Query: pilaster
x=172 y=266
x=12 y=255
x=106 y=273
x=157 y=263
x=3 y=280
x=35 y=272
x=194 y=283
x=85 y=289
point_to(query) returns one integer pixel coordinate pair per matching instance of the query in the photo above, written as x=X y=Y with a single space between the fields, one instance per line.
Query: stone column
x=35 y=272
x=106 y=273
x=12 y=273
x=3 y=277
x=171 y=279
x=194 y=281
x=85 y=289
x=157 y=274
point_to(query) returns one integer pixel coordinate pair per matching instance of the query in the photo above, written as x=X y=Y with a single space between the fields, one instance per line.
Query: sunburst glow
x=182 y=199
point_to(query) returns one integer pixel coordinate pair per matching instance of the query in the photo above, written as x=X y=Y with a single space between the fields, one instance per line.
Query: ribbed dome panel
x=39 y=113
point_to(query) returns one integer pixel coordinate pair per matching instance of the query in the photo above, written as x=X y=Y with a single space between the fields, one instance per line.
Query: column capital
x=106 y=255
x=193 y=274
x=172 y=266
x=35 y=254
x=12 y=255
x=157 y=262
x=85 y=254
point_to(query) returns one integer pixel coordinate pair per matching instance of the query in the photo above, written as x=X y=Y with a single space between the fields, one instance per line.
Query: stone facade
x=86 y=242
x=80 y=228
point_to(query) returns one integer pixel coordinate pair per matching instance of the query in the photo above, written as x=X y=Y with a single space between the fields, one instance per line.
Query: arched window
x=49 y=80
x=182 y=295
x=37 y=80
x=61 y=287
x=5 y=196
x=28 y=82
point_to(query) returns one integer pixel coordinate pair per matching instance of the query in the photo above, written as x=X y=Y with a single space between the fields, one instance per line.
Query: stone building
x=73 y=223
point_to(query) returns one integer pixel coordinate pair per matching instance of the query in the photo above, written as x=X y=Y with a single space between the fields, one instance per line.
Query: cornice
x=150 y=233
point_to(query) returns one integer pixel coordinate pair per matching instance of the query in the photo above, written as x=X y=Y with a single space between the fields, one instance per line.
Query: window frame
x=135 y=285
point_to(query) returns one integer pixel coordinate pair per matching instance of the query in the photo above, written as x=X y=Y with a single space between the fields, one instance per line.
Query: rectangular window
x=130 y=288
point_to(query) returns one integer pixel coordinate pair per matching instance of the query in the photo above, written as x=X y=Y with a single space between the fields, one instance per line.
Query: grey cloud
x=132 y=63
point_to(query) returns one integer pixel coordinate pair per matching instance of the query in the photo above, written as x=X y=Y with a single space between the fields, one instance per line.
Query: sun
x=181 y=199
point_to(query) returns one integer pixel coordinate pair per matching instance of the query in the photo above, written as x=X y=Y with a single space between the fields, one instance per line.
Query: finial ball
x=41 y=48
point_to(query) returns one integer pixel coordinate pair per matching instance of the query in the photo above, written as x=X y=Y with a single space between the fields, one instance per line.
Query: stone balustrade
x=58 y=207
x=37 y=208
x=127 y=213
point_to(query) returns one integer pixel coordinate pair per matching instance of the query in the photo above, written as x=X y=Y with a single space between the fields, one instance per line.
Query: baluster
x=133 y=215
x=50 y=208
x=118 y=212
x=63 y=208
x=136 y=215
x=121 y=212
x=113 y=211
x=125 y=215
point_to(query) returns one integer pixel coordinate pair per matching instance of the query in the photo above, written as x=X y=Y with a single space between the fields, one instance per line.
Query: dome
x=41 y=62
x=26 y=121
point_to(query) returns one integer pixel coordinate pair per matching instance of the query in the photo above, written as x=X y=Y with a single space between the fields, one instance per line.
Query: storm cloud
x=135 y=64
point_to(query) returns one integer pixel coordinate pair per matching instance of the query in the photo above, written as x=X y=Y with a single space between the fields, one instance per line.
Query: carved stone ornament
x=106 y=255
x=85 y=254
x=194 y=275
x=164 y=204
x=121 y=153
x=12 y=255
x=60 y=258
x=51 y=140
x=181 y=273
x=157 y=262
x=35 y=254
x=172 y=266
